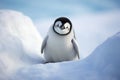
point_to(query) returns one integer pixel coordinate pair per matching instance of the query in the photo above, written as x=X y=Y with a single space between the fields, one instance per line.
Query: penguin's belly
x=59 y=50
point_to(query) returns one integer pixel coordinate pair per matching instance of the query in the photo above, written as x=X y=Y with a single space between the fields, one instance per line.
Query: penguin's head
x=62 y=26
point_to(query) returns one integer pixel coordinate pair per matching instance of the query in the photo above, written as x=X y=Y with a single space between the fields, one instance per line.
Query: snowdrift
x=102 y=64
x=19 y=42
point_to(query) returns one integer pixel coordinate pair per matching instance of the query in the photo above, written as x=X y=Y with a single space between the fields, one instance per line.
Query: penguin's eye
x=67 y=25
x=58 y=23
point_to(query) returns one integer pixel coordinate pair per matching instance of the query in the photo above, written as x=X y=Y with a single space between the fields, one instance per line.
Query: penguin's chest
x=59 y=49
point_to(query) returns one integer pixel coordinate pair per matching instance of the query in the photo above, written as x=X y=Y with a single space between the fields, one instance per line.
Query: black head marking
x=63 y=20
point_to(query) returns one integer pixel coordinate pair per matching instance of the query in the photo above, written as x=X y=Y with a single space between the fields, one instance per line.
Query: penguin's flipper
x=44 y=43
x=76 y=48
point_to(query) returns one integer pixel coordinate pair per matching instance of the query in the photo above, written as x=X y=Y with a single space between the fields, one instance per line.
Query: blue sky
x=38 y=9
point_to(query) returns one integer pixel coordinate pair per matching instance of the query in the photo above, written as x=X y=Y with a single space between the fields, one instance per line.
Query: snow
x=102 y=64
x=19 y=42
x=20 y=57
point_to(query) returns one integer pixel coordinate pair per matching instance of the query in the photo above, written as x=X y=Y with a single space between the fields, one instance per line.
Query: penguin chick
x=60 y=43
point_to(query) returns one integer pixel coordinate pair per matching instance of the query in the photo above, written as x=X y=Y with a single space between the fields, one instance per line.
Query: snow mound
x=102 y=64
x=19 y=41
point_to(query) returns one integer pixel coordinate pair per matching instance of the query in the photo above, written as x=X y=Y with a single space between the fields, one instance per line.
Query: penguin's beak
x=62 y=27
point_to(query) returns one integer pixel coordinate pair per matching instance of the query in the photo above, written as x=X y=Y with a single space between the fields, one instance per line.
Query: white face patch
x=67 y=26
x=58 y=24
x=62 y=29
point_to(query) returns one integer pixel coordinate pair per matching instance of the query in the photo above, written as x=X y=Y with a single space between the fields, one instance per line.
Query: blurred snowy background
x=94 y=22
